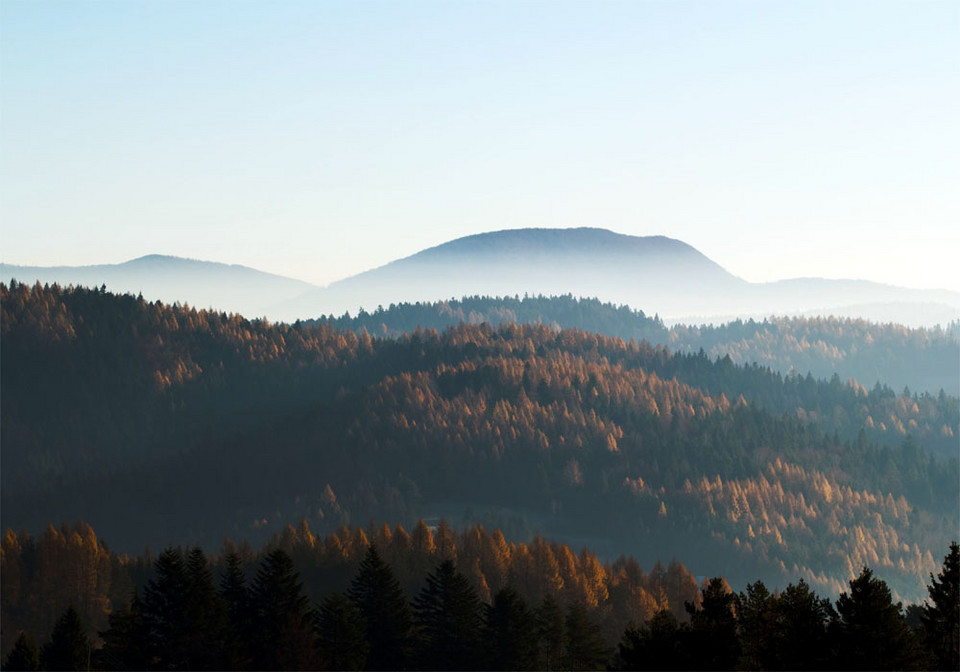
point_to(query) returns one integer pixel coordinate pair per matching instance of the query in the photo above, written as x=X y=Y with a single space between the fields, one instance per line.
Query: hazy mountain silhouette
x=654 y=273
x=202 y=284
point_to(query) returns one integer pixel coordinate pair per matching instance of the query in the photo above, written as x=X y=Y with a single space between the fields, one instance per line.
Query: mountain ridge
x=656 y=273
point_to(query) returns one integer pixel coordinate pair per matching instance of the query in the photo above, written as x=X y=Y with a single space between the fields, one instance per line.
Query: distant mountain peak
x=580 y=240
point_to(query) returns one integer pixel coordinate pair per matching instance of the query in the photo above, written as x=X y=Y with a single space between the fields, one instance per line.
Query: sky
x=320 y=139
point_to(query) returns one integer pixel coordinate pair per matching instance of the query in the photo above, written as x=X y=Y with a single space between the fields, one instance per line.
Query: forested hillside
x=162 y=424
x=924 y=360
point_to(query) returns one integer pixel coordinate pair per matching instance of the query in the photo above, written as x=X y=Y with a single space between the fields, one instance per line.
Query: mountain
x=204 y=284
x=168 y=425
x=657 y=274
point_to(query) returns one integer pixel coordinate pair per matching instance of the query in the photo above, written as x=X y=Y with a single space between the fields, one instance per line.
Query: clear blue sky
x=319 y=139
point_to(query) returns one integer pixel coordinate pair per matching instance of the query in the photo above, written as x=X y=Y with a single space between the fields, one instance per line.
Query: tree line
x=193 y=615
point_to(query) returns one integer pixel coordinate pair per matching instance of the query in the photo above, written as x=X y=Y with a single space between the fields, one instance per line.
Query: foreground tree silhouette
x=941 y=615
x=756 y=622
x=872 y=634
x=551 y=635
x=447 y=615
x=381 y=601
x=341 y=633
x=236 y=598
x=586 y=649
x=24 y=656
x=126 y=645
x=68 y=648
x=656 y=645
x=509 y=633
x=800 y=639
x=282 y=629
x=714 y=628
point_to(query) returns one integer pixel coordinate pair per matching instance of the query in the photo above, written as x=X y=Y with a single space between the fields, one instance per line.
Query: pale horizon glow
x=317 y=140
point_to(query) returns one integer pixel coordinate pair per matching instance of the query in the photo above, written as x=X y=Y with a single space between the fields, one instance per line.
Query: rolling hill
x=165 y=424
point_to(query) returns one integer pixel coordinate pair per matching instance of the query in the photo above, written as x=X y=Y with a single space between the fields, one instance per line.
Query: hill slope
x=171 y=425
x=925 y=360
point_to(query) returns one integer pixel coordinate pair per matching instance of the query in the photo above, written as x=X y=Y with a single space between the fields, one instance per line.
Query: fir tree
x=800 y=639
x=126 y=644
x=341 y=633
x=585 y=648
x=25 y=655
x=282 y=633
x=509 y=633
x=872 y=632
x=164 y=610
x=447 y=614
x=68 y=648
x=656 y=645
x=714 y=628
x=941 y=614
x=381 y=601
x=235 y=595
x=551 y=634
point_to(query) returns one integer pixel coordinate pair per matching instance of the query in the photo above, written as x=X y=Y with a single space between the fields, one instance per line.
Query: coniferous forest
x=174 y=427
x=434 y=598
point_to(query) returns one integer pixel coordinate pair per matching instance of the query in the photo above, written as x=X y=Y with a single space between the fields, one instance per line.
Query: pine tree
x=378 y=596
x=282 y=629
x=941 y=615
x=509 y=635
x=341 y=633
x=68 y=648
x=551 y=635
x=585 y=648
x=714 y=628
x=24 y=656
x=656 y=645
x=164 y=610
x=125 y=642
x=447 y=615
x=236 y=598
x=206 y=615
x=872 y=632
x=800 y=640
x=756 y=618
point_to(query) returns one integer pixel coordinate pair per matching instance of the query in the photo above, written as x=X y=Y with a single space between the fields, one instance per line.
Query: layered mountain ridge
x=657 y=274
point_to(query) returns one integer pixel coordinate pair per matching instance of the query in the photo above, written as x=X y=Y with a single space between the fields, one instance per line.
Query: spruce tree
x=585 y=648
x=125 y=643
x=714 y=628
x=447 y=615
x=341 y=633
x=236 y=598
x=25 y=655
x=551 y=635
x=756 y=623
x=873 y=634
x=381 y=601
x=509 y=634
x=164 y=610
x=800 y=639
x=656 y=645
x=282 y=636
x=68 y=648
x=941 y=614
